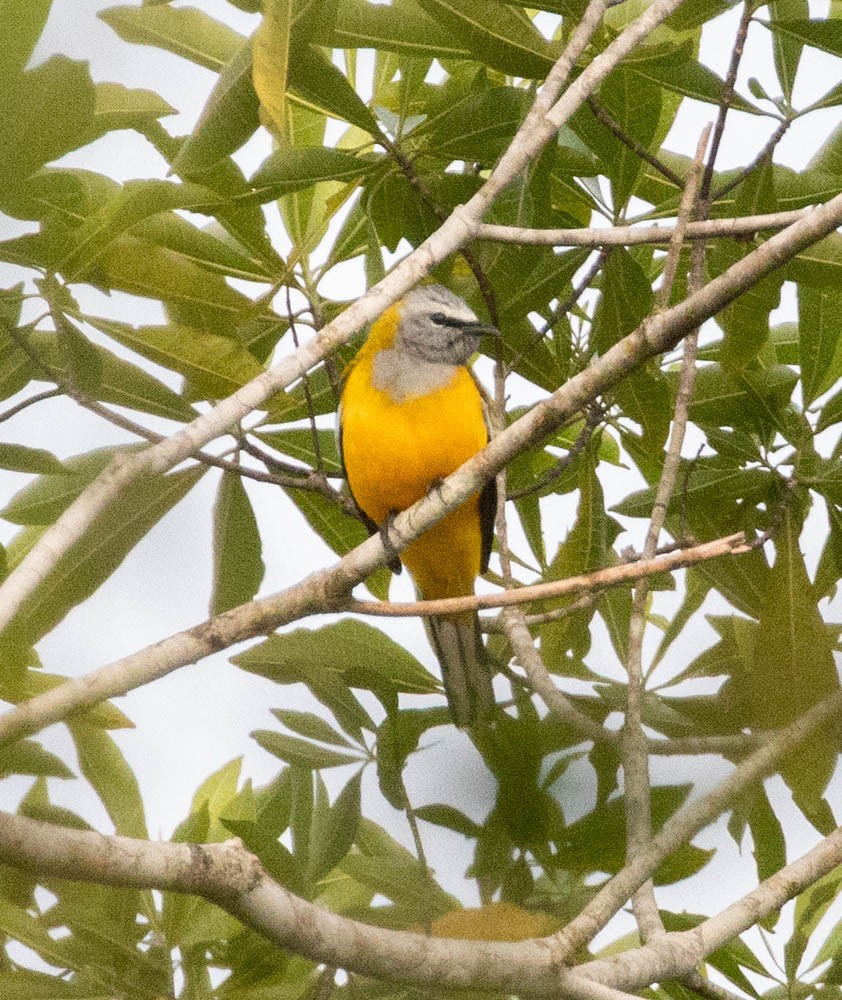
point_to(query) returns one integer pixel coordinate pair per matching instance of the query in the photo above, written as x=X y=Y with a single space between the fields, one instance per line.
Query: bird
x=411 y=412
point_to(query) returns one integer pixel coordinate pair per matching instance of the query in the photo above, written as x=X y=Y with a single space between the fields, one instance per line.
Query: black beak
x=481 y=330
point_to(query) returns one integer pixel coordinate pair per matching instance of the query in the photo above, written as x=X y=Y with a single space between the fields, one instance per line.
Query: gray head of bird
x=438 y=327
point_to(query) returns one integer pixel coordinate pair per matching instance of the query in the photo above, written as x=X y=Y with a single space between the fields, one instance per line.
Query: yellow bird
x=411 y=413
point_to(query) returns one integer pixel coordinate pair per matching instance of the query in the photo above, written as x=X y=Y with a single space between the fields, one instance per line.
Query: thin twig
x=611 y=576
x=595 y=415
x=24 y=403
x=617 y=130
x=634 y=749
x=763 y=156
x=725 y=105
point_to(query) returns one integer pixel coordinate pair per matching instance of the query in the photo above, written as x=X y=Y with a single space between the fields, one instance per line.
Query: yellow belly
x=395 y=451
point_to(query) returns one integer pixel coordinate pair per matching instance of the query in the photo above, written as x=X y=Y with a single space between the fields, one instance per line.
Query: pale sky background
x=193 y=721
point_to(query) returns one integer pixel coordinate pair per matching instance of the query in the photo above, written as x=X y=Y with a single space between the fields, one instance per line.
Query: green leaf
x=819 y=310
x=19 y=458
x=786 y=49
x=358 y=652
x=211 y=248
x=42 y=501
x=135 y=201
x=793 y=667
x=397 y=738
x=91 y=560
x=120 y=107
x=30 y=931
x=119 y=381
x=187 y=32
x=477 y=128
x=29 y=757
x=311 y=726
x=316 y=81
x=193 y=296
x=678 y=70
x=230 y=117
x=334 y=832
x=238 y=560
x=270 y=65
x=215 y=366
x=399 y=27
x=23 y=22
x=109 y=773
x=821 y=34
x=297 y=443
x=500 y=35
x=300 y=752
x=731 y=400
x=340 y=531
x=449 y=818
x=290 y=169
x=328 y=678
x=28 y=137
x=810 y=907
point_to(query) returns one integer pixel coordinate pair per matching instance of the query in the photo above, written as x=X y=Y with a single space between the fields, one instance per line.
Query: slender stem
x=30 y=401
x=634 y=747
x=616 y=129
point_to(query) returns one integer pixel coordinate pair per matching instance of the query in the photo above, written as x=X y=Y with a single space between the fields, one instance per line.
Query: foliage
x=353 y=175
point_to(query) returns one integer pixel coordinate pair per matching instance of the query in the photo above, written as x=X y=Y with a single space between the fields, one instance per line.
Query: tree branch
x=638 y=804
x=679 y=952
x=621 y=236
x=683 y=825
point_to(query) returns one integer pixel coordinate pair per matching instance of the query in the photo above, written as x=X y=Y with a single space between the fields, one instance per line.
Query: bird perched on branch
x=411 y=413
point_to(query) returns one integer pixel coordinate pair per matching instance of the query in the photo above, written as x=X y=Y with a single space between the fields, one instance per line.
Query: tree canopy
x=667 y=385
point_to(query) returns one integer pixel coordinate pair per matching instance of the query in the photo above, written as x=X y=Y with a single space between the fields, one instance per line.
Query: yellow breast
x=395 y=450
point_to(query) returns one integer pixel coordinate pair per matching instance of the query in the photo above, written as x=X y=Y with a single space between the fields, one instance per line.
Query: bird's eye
x=438 y=318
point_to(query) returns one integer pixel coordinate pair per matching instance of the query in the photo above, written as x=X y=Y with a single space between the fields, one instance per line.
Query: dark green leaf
x=316 y=81
x=819 y=310
x=19 y=458
x=229 y=118
x=500 y=35
x=334 y=832
x=237 y=550
x=289 y=169
x=822 y=34
x=399 y=27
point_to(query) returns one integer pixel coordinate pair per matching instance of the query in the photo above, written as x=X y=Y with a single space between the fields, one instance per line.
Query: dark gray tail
x=465 y=667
